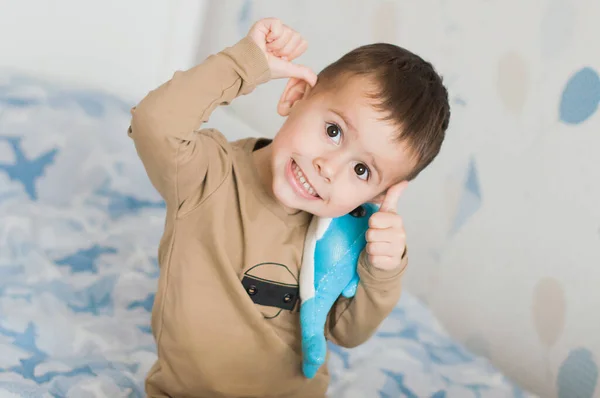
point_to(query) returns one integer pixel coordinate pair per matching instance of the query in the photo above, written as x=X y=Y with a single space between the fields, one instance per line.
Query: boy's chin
x=316 y=209
x=292 y=202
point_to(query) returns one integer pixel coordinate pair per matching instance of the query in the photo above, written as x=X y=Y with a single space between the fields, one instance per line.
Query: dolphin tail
x=313 y=315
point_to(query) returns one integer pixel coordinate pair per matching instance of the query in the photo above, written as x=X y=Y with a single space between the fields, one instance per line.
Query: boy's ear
x=296 y=89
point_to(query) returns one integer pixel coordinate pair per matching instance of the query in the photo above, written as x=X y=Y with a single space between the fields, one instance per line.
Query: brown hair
x=408 y=91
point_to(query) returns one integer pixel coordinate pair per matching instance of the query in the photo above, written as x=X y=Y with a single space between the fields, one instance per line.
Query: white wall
x=124 y=47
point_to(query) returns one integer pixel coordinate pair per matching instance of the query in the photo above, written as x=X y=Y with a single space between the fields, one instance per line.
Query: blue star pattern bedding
x=79 y=229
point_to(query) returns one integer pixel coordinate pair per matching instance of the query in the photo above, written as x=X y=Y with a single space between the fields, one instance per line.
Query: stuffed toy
x=329 y=269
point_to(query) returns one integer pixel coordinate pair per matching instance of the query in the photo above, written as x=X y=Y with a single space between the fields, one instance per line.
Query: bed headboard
x=123 y=47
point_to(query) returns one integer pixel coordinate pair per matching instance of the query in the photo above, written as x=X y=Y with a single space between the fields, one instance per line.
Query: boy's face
x=334 y=153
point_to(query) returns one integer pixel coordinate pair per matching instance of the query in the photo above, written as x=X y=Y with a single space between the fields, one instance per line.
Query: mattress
x=79 y=229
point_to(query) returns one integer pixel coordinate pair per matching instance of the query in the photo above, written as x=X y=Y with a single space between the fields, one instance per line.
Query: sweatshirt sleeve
x=353 y=321
x=165 y=125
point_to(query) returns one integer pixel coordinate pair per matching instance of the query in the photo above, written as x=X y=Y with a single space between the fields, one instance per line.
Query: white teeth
x=303 y=180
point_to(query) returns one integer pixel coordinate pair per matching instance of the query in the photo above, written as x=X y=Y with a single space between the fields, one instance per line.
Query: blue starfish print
x=145 y=304
x=85 y=260
x=25 y=170
x=395 y=381
x=121 y=204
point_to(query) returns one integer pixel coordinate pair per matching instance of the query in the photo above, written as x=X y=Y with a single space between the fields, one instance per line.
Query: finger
x=275 y=29
x=392 y=196
x=290 y=47
x=387 y=249
x=380 y=249
x=278 y=43
x=262 y=28
x=385 y=220
x=287 y=69
x=390 y=235
x=305 y=73
x=299 y=50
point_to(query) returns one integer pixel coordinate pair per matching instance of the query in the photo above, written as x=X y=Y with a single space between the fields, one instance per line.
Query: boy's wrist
x=251 y=60
x=370 y=274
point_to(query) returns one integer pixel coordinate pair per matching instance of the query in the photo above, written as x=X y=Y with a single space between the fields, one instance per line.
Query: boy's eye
x=362 y=171
x=334 y=132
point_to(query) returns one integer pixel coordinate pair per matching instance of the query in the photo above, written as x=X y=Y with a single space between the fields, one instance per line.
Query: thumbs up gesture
x=386 y=238
x=281 y=45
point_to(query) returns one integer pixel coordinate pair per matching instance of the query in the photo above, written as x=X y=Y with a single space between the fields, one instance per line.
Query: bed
x=79 y=228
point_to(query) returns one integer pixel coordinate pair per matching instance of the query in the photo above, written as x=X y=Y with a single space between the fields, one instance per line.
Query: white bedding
x=79 y=228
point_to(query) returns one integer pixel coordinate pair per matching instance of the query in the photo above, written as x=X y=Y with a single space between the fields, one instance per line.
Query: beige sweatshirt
x=225 y=234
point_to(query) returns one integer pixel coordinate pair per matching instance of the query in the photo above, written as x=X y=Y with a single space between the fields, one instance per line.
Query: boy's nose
x=324 y=168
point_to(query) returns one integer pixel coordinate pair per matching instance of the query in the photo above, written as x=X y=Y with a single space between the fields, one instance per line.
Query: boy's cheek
x=335 y=207
x=299 y=137
x=344 y=204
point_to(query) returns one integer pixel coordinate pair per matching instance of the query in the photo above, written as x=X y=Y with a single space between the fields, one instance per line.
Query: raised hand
x=386 y=238
x=281 y=45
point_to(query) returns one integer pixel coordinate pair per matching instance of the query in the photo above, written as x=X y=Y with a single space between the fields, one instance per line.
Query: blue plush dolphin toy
x=331 y=252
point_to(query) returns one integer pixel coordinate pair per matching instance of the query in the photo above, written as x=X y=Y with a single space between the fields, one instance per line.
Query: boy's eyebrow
x=345 y=118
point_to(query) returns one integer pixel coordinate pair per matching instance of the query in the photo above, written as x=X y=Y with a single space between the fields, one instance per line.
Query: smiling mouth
x=303 y=180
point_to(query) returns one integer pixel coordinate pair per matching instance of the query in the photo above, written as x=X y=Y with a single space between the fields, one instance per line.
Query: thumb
x=392 y=196
x=284 y=69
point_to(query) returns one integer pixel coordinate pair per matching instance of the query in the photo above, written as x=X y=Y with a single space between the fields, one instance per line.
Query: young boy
x=226 y=318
